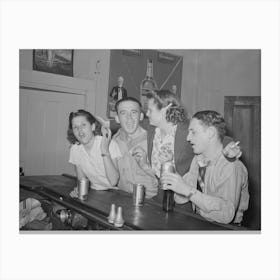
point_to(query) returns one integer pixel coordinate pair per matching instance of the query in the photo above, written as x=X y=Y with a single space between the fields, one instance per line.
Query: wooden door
x=243 y=118
x=44 y=149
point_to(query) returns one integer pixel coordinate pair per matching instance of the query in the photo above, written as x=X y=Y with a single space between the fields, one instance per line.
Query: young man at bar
x=217 y=188
x=133 y=165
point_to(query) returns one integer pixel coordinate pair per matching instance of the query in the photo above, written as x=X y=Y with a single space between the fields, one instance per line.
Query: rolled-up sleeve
x=114 y=150
x=191 y=180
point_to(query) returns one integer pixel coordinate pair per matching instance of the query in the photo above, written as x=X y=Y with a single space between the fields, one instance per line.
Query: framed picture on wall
x=53 y=61
x=132 y=52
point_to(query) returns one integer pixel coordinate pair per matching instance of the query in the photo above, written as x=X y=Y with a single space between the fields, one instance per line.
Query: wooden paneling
x=243 y=118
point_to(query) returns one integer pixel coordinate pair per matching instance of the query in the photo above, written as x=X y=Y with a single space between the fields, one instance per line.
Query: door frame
x=59 y=83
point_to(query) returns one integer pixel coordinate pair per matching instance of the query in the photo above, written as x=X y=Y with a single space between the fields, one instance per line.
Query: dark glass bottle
x=168 y=201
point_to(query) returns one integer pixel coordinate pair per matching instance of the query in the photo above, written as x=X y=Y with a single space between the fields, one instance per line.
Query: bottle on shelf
x=147 y=84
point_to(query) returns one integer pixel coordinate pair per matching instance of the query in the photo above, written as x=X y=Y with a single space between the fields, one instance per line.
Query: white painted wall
x=94 y=65
x=208 y=75
x=88 y=64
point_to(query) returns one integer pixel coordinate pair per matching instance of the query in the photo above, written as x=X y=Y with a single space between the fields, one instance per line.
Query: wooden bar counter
x=149 y=217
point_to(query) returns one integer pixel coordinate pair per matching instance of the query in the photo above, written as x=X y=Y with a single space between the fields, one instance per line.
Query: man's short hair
x=129 y=98
x=212 y=118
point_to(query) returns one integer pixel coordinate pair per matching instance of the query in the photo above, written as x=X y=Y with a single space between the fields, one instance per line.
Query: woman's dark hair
x=162 y=98
x=91 y=119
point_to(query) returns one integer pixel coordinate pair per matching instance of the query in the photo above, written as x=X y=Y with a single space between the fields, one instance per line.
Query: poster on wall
x=117 y=92
x=136 y=72
x=53 y=61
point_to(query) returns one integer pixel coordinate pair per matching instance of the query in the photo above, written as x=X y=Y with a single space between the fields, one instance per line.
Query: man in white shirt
x=217 y=188
x=131 y=138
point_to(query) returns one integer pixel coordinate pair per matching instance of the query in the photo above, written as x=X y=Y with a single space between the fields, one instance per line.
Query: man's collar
x=204 y=162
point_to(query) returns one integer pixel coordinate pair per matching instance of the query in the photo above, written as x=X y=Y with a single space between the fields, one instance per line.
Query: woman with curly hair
x=92 y=152
x=168 y=133
x=169 y=126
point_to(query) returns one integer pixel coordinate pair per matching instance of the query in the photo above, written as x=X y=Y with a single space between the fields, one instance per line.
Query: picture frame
x=56 y=61
x=165 y=57
x=132 y=52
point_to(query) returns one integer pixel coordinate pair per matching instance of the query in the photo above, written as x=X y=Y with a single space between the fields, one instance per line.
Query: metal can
x=83 y=188
x=168 y=202
x=138 y=194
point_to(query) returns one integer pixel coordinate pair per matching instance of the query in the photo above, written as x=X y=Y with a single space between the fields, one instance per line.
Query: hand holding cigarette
x=232 y=150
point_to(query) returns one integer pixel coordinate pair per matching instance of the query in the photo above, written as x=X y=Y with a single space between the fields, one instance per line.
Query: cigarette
x=235 y=144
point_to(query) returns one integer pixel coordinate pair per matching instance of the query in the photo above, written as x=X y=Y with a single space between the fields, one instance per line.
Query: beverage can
x=138 y=194
x=83 y=188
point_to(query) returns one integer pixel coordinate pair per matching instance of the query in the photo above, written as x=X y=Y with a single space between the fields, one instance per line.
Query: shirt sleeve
x=73 y=155
x=222 y=208
x=191 y=180
x=114 y=150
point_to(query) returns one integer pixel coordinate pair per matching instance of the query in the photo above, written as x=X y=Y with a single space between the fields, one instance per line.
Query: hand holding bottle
x=174 y=182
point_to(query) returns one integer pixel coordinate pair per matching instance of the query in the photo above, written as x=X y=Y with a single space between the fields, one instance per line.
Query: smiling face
x=198 y=136
x=155 y=115
x=82 y=129
x=129 y=115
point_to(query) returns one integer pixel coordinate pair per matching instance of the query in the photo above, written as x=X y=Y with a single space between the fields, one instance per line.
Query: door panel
x=44 y=149
x=243 y=118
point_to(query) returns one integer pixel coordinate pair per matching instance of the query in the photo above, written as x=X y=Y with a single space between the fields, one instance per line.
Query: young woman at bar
x=92 y=152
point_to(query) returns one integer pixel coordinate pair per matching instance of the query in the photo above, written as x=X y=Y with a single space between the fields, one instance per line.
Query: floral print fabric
x=162 y=145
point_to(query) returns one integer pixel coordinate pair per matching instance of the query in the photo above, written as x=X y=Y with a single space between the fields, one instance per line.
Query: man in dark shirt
x=118 y=92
